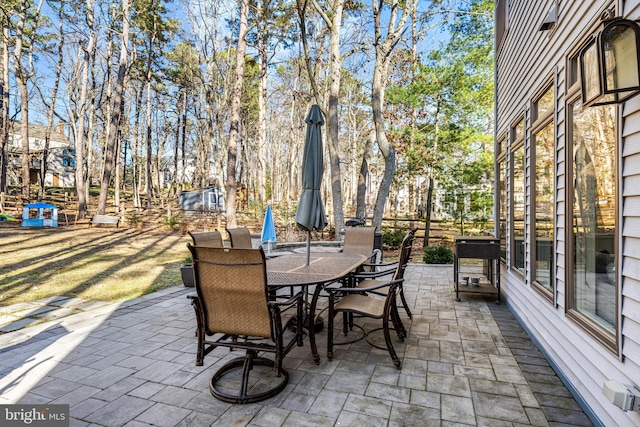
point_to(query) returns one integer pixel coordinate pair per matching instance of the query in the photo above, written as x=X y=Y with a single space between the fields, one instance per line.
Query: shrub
x=393 y=238
x=437 y=255
x=134 y=219
x=173 y=222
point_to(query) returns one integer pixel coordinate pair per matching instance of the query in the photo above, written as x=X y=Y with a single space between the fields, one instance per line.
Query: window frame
x=540 y=122
x=501 y=161
x=609 y=341
x=517 y=143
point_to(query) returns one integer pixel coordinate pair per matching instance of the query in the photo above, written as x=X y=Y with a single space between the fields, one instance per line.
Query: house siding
x=57 y=173
x=527 y=59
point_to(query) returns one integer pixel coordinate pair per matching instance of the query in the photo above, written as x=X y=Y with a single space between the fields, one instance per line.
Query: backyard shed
x=202 y=199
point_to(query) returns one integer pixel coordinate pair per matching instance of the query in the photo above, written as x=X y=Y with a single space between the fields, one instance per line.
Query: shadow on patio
x=464 y=363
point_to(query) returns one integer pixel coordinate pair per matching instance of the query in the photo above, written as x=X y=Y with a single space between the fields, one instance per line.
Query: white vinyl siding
x=630 y=238
x=525 y=61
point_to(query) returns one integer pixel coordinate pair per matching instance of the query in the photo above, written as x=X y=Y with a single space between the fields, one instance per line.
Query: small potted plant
x=186 y=270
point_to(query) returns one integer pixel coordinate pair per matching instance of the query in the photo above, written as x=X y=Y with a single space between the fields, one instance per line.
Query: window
x=68 y=157
x=518 y=131
x=592 y=294
x=518 y=196
x=544 y=194
x=502 y=195
x=517 y=254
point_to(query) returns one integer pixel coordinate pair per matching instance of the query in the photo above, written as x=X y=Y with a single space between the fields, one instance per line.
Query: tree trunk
x=184 y=139
x=24 y=133
x=427 y=218
x=162 y=142
x=262 y=115
x=148 y=174
x=388 y=151
x=114 y=120
x=117 y=180
x=436 y=143
x=135 y=166
x=384 y=47
x=81 y=173
x=21 y=79
x=234 y=125
x=333 y=120
x=361 y=202
x=176 y=145
x=4 y=108
x=54 y=93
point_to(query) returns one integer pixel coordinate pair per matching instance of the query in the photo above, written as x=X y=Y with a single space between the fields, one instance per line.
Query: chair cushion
x=370 y=283
x=361 y=304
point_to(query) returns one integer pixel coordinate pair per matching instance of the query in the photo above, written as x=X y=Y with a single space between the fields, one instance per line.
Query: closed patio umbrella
x=268 y=229
x=310 y=214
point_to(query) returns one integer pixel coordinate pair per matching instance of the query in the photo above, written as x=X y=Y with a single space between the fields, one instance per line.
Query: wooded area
x=156 y=97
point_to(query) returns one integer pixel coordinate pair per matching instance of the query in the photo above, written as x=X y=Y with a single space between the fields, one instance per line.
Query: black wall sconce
x=610 y=62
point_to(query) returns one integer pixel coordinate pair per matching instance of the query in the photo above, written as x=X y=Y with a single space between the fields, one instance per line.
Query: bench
x=104 y=219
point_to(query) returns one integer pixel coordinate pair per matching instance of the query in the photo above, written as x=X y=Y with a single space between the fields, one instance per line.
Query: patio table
x=324 y=267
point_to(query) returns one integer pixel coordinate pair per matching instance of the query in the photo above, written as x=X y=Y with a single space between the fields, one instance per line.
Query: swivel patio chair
x=363 y=302
x=240 y=237
x=210 y=239
x=233 y=307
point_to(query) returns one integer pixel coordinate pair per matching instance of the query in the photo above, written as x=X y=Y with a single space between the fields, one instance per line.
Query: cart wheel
x=497 y=302
x=458 y=299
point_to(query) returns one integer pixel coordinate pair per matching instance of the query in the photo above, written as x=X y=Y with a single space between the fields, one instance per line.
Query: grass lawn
x=105 y=264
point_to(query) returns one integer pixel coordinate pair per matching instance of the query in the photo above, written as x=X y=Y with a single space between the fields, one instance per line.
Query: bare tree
x=333 y=20
x=234 y=125
x=52 y=106
x=22 y=74
x=4 y=103
x=398 y=16
x=116 y=113
x=80 y=142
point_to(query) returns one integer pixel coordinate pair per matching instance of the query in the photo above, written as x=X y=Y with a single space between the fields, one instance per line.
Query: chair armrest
x=347 y=290
x=373 y=274
x=380 y=264
x=291 y=301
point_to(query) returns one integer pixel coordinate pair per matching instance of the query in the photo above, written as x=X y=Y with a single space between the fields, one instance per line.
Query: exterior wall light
x=610 y=62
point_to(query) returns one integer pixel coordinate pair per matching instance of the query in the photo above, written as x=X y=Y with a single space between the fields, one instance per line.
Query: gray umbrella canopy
x=310 y=214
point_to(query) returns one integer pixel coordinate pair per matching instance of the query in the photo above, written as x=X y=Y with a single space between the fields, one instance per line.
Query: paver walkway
x=464 y=363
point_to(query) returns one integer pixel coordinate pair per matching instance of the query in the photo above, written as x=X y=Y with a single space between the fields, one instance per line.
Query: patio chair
x=210 y=239
x=233 y=307
x=240 y=237
x=363 y=302
x=360 y=240
x=369 y=279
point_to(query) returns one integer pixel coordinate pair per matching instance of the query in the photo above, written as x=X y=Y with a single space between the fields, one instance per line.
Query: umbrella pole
x=308 y=247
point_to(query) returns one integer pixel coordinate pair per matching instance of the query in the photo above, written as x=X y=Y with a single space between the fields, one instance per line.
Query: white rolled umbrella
x=310 y=214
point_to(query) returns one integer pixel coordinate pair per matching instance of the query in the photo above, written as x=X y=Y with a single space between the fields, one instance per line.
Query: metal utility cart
x=487 y=249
